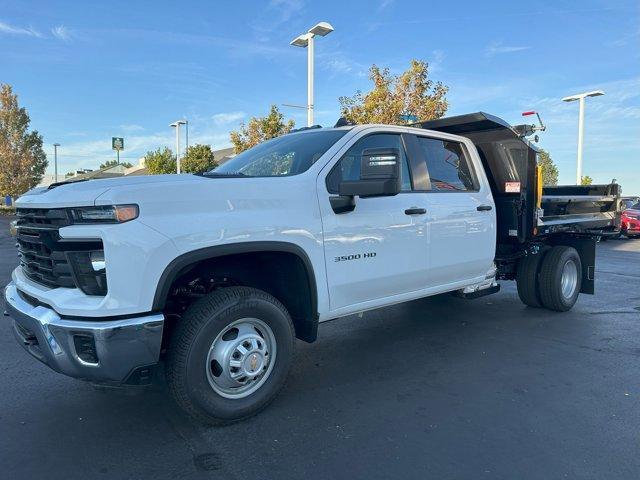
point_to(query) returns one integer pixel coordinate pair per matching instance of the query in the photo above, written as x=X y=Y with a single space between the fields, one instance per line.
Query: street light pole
x=306 y=40
x=580 y=142
x=176 y=125
x=55 y=162
x=581 y=100
x=186 y=139
x=310 y=81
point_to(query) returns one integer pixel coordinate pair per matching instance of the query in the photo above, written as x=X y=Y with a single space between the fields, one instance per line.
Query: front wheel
x=230 y=355
x=560 y=278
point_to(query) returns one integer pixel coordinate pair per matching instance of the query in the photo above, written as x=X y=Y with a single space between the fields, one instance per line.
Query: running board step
x=478 y=293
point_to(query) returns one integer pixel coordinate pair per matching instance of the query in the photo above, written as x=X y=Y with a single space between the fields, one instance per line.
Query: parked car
x=215 y=286
x=628 y=202
x=630 y=221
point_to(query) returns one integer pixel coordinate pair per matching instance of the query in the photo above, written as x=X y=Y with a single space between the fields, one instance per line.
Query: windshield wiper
x=222 y=174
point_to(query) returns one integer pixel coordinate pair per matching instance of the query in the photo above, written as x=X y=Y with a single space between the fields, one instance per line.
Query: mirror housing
x=379 y=174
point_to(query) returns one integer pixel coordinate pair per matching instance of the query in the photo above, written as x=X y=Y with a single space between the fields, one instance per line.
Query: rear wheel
x=560 y=278
x=230 y=355
x=527 y=279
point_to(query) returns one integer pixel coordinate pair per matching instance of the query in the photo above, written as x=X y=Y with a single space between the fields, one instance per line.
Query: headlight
x=105 y=214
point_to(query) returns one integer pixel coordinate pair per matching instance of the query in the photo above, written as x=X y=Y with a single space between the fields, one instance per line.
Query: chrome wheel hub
x=569 y=280
x=241 y=358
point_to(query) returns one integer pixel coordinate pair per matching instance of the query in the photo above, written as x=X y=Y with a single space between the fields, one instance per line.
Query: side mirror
x=379 y=174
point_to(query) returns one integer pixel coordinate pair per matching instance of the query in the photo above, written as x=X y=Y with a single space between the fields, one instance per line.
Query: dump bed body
x=580 y=208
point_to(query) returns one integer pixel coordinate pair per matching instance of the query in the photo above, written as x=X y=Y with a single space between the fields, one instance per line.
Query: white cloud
x=131 y=128
x=497 y=48
x=287 y=8
x=13 y=30
x=61 y=33
x=435 y=64
x=227 y=117
x=339 y=64
x=624 y=39
x=384 y=4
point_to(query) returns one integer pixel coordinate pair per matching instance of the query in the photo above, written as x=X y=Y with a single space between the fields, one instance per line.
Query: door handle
x=415 y=211
x=484 y=208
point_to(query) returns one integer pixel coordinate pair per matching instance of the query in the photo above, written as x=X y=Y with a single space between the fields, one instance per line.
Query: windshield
x=635 y=206
x=286 y=155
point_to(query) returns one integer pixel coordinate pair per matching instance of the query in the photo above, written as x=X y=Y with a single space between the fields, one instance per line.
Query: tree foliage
x=22 y=158
x=113 y=163
x=260 y=129
x=586 y=180
x=161 y=160
x=198 y=159
x=549 y=169
x=397 y=99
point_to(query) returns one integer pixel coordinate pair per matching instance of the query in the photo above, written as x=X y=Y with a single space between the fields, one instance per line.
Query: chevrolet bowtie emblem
x=253 y=361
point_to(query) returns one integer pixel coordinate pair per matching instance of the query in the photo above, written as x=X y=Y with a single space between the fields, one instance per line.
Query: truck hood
x=83 y=193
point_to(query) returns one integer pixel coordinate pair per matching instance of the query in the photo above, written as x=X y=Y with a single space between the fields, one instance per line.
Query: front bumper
x=119 y=349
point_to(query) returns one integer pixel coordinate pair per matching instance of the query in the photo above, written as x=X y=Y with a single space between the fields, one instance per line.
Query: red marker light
x=524 y=114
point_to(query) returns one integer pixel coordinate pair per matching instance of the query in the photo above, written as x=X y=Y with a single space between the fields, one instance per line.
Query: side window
x=448 y=165
x=348 y=167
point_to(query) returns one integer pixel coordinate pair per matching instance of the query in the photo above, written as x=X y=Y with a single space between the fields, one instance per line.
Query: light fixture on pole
x=176 y=125
x=581 y=97
x=55 y=162
x=306 y=40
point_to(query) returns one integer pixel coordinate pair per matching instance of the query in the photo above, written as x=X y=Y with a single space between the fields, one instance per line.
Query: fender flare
x=172 y=270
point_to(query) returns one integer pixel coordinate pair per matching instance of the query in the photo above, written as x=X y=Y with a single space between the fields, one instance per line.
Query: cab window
x=348 y=167
x=448 y=165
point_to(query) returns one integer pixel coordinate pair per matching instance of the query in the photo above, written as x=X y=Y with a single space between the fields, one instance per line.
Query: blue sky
x=87 y=71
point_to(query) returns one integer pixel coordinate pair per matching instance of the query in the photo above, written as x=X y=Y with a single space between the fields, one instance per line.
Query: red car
x=630 y=221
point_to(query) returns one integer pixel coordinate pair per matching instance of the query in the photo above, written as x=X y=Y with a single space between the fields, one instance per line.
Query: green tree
x=586 y=180
x=22 y=158
x=260 y=129
x=397 y=99
x=198 y=158
x=549 y=169
x=113 y=163
x=159 y=161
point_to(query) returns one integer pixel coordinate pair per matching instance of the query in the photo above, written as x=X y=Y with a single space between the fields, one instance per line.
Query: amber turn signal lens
x=124 y=213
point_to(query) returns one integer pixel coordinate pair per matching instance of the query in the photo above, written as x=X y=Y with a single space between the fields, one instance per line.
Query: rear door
x=460 y=211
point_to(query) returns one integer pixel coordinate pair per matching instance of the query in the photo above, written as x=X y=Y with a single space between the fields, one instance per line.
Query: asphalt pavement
x=440 y=388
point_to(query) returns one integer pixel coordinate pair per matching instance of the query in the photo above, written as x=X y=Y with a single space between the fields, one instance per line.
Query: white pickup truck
x=214 y=276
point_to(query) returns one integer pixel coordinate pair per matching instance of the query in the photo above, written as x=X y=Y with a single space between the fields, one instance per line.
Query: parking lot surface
x=437 y=388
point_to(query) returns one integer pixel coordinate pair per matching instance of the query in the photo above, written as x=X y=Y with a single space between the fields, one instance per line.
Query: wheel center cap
x=253 y=363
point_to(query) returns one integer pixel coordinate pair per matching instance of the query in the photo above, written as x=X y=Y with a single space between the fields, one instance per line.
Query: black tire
x=527 y=280
x=550 y=278
x=204 y=320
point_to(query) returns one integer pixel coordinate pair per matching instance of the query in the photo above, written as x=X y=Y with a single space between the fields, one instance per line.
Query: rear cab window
x=448 y=165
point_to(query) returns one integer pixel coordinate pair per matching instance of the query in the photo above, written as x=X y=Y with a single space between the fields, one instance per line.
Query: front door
x=379 y=249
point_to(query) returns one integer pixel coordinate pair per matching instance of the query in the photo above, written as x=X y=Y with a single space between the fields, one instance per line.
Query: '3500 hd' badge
x=355 y=256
